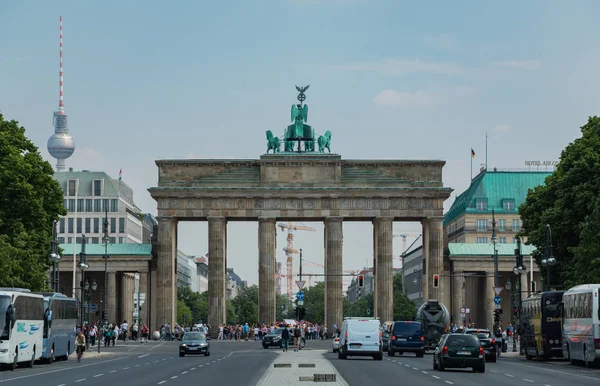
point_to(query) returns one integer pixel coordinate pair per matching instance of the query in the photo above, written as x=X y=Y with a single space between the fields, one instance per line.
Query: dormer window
x=97 y=188
x=72 y=188
x=482 y=205
x=509 y=205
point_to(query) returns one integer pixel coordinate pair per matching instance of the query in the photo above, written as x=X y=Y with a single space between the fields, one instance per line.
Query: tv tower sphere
x=61 y=146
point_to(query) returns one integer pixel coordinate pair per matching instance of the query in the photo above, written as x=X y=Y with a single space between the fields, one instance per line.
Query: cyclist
x=80 y=345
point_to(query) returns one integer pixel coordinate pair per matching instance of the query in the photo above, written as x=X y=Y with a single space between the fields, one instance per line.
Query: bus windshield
x=5 y=303
x=551 y=307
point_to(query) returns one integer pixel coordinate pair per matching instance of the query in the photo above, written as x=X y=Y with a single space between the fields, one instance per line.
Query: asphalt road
x=244 y=363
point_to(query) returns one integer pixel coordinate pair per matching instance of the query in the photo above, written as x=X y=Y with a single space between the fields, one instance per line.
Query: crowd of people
x=239 y=332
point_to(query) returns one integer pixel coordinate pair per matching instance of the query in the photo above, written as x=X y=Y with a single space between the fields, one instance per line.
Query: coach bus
x=60 y=326
x=541 y=331
x=581 y=324
x=21 y=327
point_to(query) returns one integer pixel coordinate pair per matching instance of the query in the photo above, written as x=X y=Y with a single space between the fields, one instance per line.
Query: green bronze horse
x=272 y=142
x=324 y=142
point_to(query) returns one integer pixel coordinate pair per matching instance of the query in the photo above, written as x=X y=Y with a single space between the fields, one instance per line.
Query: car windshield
x=278 y=331
x=194 y=336
x=462 y=340
x=4 y=317
x=407 y=328
x=480 y=334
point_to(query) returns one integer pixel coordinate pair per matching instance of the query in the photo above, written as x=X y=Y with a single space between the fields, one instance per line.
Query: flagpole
x=471 y=166
x=486 y=141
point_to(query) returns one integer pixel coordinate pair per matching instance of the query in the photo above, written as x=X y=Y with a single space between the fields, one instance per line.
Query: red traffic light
x=436 y=281
x=361 y=281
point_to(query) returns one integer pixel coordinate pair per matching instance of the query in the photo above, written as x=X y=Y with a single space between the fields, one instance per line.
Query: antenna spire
x=61 y=103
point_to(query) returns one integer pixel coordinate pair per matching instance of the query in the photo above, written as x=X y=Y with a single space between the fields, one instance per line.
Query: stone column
x=333 y=266
x=458 y=295
x=489 y=300
x=375 y=300
x=111 y=297
x=267 y=233
x=166 y=272
x=143 y=288
x=435 y=261
x=425 y=264
x=384 y=277
x=217 y=276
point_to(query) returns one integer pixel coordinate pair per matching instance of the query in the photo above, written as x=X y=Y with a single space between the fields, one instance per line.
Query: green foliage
x=361 y=307
x=404 y=309
x=285 y=308
x=569 y=202
x=184 y=314
x=30 y=199
x=314 y=303
x=245 y=305
x=198 y=305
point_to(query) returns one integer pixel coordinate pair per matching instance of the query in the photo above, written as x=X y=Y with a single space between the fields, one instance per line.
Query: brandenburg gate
x=303 y=184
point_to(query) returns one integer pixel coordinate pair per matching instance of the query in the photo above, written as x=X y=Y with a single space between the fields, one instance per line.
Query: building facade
x=88 y=197
x=202 y=272
x=354 y=293
x=412 y=263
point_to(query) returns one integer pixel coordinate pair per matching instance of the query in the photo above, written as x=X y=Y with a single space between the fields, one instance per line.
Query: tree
x=361 y=307
x=404 y=309
x=30 y=200
x=285 y=308
x=569 y=203
x=245 y=305
x=314 y=303
x=184 y=314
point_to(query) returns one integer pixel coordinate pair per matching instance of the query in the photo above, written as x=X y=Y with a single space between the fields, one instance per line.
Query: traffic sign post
x=300 y=296
x=498 y=290
x=463 y=310
x=300 y=302
x=300 y=284
x=498 y=300
x=498 y=306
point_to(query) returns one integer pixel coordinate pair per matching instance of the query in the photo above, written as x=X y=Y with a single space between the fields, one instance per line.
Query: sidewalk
x=291 y=368
x=509 y=353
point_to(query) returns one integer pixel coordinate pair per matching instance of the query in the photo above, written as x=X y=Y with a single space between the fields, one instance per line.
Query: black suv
x=274 y=339
x=486 y=340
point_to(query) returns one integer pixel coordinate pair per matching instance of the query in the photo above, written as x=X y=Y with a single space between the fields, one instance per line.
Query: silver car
x=194 y=343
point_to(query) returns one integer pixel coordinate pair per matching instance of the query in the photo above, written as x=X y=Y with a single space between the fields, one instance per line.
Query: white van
x=360 y=337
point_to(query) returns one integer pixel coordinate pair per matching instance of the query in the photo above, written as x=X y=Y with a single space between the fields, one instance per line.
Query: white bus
x=21 y=328
x=581 y=323
x=60 y=326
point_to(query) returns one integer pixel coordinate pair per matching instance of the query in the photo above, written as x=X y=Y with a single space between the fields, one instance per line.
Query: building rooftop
x=112 y=186
x=113 y=249
x=496 y=186
x=487 y=249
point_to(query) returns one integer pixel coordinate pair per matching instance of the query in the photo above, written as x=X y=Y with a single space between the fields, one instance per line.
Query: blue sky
x=390 y=79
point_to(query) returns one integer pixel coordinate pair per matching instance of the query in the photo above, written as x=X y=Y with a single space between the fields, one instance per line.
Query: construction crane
x=289 y=251
x=278 y=277
x=404 y=237
x=312 y=263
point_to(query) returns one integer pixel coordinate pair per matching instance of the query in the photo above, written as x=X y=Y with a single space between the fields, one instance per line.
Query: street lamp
x=508 y=286
x=417 y=280
x=105 y=240
x=495 y=257
x=549 y=261
x=54 y=257
x=83 y=266
x=518 y=270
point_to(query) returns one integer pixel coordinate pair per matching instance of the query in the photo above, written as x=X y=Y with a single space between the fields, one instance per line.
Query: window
x=61 y=240
x=516 y=224
x=114 y=205
x=97 y=188
x=89 y=205
x=121 y=240
x=79 y=227
x=97 y=205
x=502 y=240
x=105 y=207
x=481 y=205
x=482 y=240
x=72 y=188
x=514 y=240
x=69 y=240
x=80 y=205
x=482 y=224
x=95 y=240
x=502 y=225
x=533 y=286
x=29 y=308
x=71 y=205
x=113 y=225
x=509 y=205
x=61 y=225
x=88 y=225
x=65 y=204
x=96 y=225
x=112 y=240
x=78 y=240
x=70 y=225
x=122 y=225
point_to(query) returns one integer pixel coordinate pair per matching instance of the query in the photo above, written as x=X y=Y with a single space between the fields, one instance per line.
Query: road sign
x=498 y=290
x=462 y=315
x=468 y=311
x=498 y=306
x=300 y=284
x=91 y=308
x=463 y=310
x=300 y=302
x=300 y=296
x=498 y=300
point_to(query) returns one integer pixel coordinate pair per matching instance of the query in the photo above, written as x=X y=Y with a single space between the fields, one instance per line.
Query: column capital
x=383 y=219
x=216 y=218
x=267 y=219
x=333 y=219
x=166 y=219
x=435 y=219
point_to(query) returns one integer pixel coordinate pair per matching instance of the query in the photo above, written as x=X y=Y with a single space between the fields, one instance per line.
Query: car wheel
x=420 y=354
x=441 y=366
x=435 y=365
x=181 y=354
x=391 y=353
x=207 y=354
x=493 y=359
x=265 y=346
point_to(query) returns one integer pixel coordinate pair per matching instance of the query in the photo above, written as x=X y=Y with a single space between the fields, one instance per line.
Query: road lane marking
x=137 y=366
x=424 y=372
x=436 y=377
x=508 y=375
x=131 y=349
x=448 y=382
x=156 y=346
x=147 y=363
x=554 y=371
x=161 y=382
x=414 y=368
x=156 y=361
x=407 y=365
x=62 y=384
x=113 y=371
x=528 y=380
x=493 y=371
x=126 y=368
x=192 y=369
x=142 y=356
x=174 y=376
x=98 y=375
x=183 y=372
x=80 y=380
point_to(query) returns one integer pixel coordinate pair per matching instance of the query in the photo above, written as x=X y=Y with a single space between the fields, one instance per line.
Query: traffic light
x=104 y=315
x=301 y=313
x=497 y=316
x=361 y=281
x=516 y=311
x=436 y=281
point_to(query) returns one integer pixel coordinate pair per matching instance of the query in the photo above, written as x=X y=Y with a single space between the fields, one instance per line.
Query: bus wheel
x=30 y=363
x=585 y=361
x=13 y=366
x=51 y=358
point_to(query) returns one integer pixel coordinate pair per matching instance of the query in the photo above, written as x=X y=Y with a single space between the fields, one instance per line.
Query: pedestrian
x=297 y=334
x=80 y=345
x=220 y=336
x=285 y=338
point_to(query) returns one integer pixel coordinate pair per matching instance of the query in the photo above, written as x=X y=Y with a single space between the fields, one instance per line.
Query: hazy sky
x=147 y=80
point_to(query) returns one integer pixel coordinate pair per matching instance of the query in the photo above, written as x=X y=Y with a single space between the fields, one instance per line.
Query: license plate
x=401 y=339
x=463 y=353
x=355 y=346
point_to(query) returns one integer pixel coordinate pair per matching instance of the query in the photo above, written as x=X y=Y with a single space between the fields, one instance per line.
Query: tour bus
x=60 y=326
x=21 y=328
x=540 y=325
x=581 y=323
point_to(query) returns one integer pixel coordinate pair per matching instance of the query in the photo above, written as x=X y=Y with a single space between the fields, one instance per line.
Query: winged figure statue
x=301 y=90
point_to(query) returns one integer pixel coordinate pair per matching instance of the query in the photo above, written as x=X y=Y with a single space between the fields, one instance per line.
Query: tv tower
x=61 y=145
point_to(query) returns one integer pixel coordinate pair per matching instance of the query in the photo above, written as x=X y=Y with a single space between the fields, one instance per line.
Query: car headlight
x=184 y=345
x=277 y=338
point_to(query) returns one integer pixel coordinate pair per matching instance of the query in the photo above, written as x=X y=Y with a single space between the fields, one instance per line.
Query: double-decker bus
x=21 y=322
x=60 y=326
x=541 y=332
x=581 y=323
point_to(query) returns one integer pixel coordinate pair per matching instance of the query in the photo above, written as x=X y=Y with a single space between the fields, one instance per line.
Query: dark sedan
x=194 y=343
x=273 y=339
x=459 y=351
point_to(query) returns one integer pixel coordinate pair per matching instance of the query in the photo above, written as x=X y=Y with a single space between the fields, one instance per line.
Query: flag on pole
x=121 y=173
x=472 y=153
